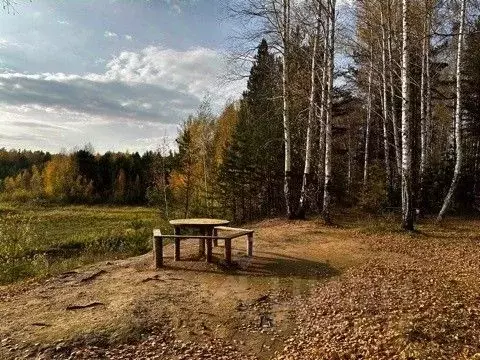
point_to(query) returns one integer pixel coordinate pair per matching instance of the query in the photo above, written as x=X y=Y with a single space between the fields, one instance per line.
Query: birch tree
x=393 y=89
x=329 y=113
x=384 y=101
x=286 y=107
x=425 y=95
x=407 y=188
x=311 y=114
x=458 y=114
x=321 y=118
x=368 y=119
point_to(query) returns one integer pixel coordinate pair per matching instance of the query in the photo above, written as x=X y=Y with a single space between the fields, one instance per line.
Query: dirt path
x=310 y=292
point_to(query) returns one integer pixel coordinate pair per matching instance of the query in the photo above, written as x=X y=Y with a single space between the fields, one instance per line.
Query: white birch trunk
x=458 y=116
x=407 y=196
x=286 y=120
x=329 y=115
x=396 y=132
x=384 y=97
x=425 y=100
x=368 y=121
x=321 y=147
x=476 y=184
x=311 y=114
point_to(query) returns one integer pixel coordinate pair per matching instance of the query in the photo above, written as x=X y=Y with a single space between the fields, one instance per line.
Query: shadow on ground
x=265 y=264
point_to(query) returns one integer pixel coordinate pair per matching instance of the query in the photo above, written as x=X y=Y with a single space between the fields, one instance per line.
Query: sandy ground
x=188 y=301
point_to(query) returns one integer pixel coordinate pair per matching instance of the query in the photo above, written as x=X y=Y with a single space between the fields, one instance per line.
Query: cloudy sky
x=120 y=74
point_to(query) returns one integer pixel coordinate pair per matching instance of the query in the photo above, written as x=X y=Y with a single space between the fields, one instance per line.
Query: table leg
x=215 y=241
x=177 y=245
x=201 y=242
x=209 y=245
x=228 y=251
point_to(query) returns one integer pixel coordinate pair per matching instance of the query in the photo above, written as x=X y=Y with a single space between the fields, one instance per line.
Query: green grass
x=39 y=241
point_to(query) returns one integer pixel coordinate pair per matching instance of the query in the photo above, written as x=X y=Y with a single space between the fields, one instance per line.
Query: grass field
x=41 y=241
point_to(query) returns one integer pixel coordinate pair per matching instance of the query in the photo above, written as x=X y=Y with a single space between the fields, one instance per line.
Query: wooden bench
x=237 y=232
x=158 y=243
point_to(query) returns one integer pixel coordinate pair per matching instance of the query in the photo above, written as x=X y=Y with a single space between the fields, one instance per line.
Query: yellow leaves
x=59 y=176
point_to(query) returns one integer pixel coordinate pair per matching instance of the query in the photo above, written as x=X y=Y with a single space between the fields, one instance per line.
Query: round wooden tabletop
x=199 y=222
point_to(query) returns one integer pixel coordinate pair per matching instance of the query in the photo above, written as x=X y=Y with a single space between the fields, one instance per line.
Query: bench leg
x=201 y=243
x=228 y=251
x=177 y=250
x=215 y=241
x=176 y=256
x=158 y=251
x=209 y=250
x=250 y=245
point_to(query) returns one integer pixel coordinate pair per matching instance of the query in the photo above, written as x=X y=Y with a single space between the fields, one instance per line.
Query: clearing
x=359 y=290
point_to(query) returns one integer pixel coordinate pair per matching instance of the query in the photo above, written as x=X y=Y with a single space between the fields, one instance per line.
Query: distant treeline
x=233 y=165
x=79 y=177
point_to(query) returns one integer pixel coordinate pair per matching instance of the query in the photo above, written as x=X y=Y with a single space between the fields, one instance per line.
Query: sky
x=118 y=74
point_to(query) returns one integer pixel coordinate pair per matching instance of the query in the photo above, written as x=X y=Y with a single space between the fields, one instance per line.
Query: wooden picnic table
x=206 y=227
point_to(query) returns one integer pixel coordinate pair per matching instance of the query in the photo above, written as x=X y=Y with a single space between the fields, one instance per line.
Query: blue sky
x=120 y=74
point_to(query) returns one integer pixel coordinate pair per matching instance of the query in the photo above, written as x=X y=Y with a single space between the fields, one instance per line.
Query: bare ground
x=310 y=292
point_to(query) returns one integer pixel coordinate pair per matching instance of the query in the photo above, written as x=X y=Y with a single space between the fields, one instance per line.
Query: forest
x=396 y=127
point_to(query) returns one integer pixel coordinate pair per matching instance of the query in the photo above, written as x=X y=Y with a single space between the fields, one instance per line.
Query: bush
x=375 y=195
x=17 y=259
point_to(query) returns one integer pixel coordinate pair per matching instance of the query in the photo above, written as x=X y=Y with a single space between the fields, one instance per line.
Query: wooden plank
x=227 y=228
x=198 y=222
x=158 y=251
x=194 y=237
x=238 y=234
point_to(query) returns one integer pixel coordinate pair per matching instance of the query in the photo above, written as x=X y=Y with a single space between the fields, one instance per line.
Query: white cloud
x=139 y=95
x=109 y=34
x=129 y=37
x=196 y=71
x=63 y=22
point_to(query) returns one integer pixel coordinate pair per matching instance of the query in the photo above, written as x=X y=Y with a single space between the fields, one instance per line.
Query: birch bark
x=407 y=198
x=368 y=121
x=458 y=116
x=302 y=208
x=328 y=120
x=321 y=155
x=384 y=95
x=286 y=108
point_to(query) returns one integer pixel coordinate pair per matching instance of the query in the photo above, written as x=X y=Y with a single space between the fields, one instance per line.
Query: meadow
x=39 y=241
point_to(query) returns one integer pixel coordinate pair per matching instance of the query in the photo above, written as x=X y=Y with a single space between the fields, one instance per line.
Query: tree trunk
x=368 y=121
x=425 y=100
x=350 y=162
x=458 y=116
x=302 y=208
x=407 y=188
x=286 y=108
x=328 y=120
x=384 y=97
x=321 y=150
x=476 y=180
x=396 y=133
